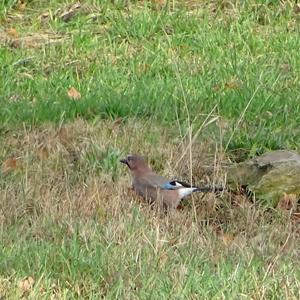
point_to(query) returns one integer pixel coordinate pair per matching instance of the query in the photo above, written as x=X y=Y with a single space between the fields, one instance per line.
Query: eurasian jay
x=154 y=187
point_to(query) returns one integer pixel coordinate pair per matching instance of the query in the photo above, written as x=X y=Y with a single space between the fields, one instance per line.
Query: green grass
x=141 y=269
x=139 y=61
x=67 y=217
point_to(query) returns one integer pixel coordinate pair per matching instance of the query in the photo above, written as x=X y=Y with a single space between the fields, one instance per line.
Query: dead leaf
x=159 y=4
x=43 y=291
x=223 y=123
x=26 y=284
x=9 y=164
x=143 y=68
x=227 y=4
x=268 y=114
x=68 y=15
x=163 y=258
x=74 y=94
x=27 y=75
x=227 y=238
x=215 y=88
x=297 y=8
x=64 y=136
x=15 y=44
x=180 y=207
x=168 y=30
x=116 y=124
x=12 y=32
x=296 y=217
x=241 y=200
x=173 y=241
x=30 y=40
x=15 y=98
x=232 y=84
x=285 y=68
x=287 y=202
x=22 y=5
x=44 y=17
x=42 y=153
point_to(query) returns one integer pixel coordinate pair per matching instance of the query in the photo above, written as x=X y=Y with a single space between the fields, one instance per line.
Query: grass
x=149 y=77
x=70 y=222
x=142 y=61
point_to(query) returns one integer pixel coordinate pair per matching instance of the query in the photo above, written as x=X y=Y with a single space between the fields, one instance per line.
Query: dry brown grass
x=72 y=171
x=68 y=176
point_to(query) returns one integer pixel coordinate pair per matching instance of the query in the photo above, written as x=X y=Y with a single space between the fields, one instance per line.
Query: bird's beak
x=124 y=161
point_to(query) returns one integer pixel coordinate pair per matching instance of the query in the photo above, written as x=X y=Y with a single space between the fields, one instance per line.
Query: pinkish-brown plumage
x=154 y=187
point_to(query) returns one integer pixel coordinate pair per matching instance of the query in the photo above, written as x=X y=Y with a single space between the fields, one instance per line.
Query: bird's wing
x=164 y=183
x=175 y=185
x=180 y=184
x=156 y=180
x=171 y=185
x=153 y=180
x=145 y=187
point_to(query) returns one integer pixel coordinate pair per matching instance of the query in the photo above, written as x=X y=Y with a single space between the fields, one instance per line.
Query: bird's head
x=135 y=163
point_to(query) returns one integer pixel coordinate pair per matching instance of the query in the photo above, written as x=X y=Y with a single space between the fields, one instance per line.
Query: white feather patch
x=185 y=191
x=177 y=183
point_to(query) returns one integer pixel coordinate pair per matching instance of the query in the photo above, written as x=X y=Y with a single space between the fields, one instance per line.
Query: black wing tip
x=184 y=184
x=207 y=189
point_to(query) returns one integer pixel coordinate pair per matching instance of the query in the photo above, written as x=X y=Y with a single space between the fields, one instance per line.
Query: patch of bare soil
x=11 y=38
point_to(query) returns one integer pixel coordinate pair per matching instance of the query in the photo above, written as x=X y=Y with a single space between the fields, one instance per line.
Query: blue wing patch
x=171 y=185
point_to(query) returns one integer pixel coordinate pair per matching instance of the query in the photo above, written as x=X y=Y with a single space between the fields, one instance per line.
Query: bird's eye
x=129 y=158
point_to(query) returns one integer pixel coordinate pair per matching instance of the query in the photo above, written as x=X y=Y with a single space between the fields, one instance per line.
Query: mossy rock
x=268 y=176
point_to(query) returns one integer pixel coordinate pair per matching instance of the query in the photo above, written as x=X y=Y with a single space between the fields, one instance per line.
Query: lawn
x=191 y=85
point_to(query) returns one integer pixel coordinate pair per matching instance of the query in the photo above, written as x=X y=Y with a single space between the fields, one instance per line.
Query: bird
x=154 y=187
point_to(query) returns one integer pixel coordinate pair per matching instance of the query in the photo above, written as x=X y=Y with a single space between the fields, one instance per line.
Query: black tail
x=203 y=189
x=210 y=189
